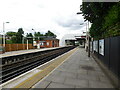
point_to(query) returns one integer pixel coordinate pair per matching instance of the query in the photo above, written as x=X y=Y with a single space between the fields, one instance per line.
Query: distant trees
x=49 y=33
x=29 y=37
x=10 y=33
x=17 y=37
x=37 y=35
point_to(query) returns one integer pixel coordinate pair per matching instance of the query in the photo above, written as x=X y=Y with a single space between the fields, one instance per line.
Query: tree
x=10 y=33
x=49 y=33
x=37 y=35
x=96 y=12
x=29 y=36
x=19 y=35
x=13 y=37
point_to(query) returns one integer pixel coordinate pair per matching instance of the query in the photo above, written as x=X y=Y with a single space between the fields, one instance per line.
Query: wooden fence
x=16 y=47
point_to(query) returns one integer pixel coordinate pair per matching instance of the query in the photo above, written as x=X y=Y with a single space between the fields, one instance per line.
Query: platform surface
x=78 y=71
x=12 y=53
x=30 y=78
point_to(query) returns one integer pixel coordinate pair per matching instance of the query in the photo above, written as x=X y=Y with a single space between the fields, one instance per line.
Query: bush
x=111 y=24
x=112 y=17
x=8 y=42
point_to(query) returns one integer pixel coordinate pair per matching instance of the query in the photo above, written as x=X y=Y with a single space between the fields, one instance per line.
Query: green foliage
x=104 y=17
x=49 y=33
x=14 y=39
x=95 y=10
x=19 y=35
x=111 y=26
x=10 y=33
x=20 y=31
x=112 y=31
x=9 y=42
x=37 y=35
x=112 y=17
x=30 y=37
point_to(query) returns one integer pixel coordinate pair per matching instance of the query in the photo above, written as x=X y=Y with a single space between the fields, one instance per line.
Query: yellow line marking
x=45 y=71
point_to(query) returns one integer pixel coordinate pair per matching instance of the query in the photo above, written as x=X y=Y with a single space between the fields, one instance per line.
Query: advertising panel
x=101 y=47
x=95 y=46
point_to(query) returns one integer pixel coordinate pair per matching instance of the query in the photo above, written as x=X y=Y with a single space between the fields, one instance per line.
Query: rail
x=15 y=65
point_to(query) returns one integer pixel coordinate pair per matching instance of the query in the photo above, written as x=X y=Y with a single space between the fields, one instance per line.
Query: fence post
x=27 y=45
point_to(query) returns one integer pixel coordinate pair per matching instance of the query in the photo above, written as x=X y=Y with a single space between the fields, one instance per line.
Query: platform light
x=4 y=33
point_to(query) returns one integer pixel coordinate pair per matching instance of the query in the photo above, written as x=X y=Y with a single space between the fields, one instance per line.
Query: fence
x=15 y=47
x=108 y=51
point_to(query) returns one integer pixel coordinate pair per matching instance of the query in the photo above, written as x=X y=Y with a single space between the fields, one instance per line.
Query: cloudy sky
x=58 y=16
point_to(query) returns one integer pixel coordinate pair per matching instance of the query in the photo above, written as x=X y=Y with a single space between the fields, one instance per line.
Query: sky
x=58 y=16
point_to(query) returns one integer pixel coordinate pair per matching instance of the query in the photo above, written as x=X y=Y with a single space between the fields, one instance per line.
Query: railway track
x=18 y=65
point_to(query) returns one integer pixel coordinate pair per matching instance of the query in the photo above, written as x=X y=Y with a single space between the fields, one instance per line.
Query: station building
x=48 y=43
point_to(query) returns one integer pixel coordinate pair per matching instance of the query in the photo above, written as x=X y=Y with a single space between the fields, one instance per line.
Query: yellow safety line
x=52 y=65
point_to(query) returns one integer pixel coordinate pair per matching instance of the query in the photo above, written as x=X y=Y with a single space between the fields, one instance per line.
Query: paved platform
x=78 y=71
x=12 y=53
x=30 y=78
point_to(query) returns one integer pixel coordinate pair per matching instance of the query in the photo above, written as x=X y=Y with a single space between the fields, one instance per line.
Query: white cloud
x=59 y=16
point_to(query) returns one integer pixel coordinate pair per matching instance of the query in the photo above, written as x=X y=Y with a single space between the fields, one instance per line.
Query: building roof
x=50 y=39
x=42 y=41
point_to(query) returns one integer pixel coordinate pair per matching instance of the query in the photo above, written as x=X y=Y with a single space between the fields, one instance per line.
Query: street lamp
x=34 y=33
x=38 y=45
x=4 y=33
x=87 y=35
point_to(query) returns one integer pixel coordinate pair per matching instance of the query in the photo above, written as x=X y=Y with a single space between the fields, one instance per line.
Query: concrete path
x=78 y=71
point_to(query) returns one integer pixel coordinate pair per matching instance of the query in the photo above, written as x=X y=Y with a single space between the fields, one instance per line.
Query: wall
x=15 y=47
x=52 y=43
x=111 y=50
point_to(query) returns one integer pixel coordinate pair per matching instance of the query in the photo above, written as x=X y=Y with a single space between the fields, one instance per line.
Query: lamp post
x=34 y=37
x=87 y=35
x=38 y=44
x=34 y=33
x=4 y=33
x=23 y=42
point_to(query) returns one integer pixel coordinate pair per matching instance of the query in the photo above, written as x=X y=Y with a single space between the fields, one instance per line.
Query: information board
x=101 y=47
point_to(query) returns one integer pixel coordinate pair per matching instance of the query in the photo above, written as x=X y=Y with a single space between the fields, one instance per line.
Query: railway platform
x=77 y=71
x=12 y=53
x=72 y=70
